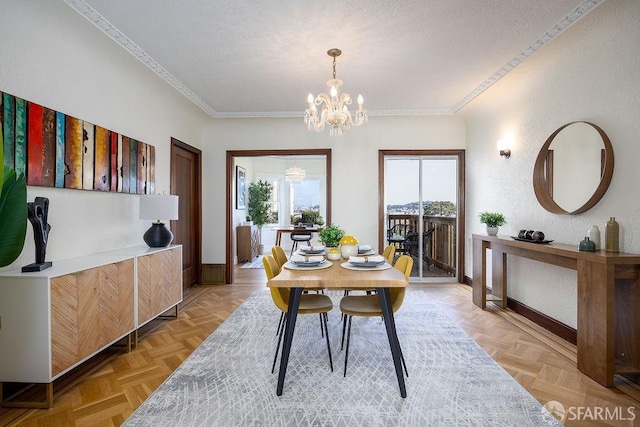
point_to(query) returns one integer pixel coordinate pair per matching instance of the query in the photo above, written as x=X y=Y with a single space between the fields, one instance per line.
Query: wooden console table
x=608 y=299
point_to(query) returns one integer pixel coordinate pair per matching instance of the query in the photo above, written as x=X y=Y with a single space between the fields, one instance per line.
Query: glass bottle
x=594 y=236
x=611 y=235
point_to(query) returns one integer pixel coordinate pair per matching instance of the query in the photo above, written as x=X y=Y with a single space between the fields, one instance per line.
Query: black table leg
x=387 y=313
x=292 y=313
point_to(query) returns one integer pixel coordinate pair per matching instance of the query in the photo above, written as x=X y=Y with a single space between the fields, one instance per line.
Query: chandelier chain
x=334 y=67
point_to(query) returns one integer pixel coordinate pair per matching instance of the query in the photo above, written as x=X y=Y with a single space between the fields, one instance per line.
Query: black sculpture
x=37 y=212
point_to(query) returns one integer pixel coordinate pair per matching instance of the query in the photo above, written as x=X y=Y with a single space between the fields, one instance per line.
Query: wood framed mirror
x=573 y=169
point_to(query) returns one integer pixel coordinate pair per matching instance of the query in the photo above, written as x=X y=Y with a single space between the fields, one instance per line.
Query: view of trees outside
x=305 y=196
x=438 y=185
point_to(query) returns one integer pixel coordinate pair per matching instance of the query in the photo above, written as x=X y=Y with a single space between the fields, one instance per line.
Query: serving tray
x=530 y=240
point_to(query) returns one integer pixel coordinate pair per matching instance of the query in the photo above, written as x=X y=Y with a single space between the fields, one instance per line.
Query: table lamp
x=158 y=207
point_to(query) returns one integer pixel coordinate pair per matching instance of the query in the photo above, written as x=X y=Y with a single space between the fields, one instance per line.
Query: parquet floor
x=106 y=389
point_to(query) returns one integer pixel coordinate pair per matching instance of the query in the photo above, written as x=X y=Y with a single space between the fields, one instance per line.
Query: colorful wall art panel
x=56 y=150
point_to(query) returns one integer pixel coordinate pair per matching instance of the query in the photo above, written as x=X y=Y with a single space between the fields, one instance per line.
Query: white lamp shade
x=159 y=206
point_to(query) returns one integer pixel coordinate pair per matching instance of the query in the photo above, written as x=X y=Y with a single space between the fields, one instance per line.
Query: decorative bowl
x=334 y=254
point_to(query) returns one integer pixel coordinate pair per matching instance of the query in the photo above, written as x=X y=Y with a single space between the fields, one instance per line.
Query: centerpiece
x=330 y=237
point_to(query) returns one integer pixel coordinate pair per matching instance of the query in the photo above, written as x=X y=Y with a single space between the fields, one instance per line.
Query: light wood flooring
x=106 y=389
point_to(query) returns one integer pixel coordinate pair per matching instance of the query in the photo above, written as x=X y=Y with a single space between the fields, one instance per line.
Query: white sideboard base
x=53 y=320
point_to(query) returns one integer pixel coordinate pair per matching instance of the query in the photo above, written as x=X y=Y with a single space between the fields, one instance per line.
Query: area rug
x=227 y=381
x=254 y=263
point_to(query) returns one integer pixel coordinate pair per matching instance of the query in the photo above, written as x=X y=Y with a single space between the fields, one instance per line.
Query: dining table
x=340 y=275
x=289 y=229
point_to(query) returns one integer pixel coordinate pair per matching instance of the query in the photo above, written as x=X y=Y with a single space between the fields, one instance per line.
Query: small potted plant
x=493 y=220
x=248 y=222
x=330 y=237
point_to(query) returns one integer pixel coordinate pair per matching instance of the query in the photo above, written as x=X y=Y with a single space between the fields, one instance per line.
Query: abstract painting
x=53 y=149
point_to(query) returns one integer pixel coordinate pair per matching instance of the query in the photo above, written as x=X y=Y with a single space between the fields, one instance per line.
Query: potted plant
x=248 y=222
x=259 y=206
x=13 y=211
x=309 y=216
x=493 y=220
x=331 y=235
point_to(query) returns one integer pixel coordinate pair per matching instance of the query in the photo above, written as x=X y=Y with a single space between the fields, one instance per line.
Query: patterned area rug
x=227 y=381
x=255 y=263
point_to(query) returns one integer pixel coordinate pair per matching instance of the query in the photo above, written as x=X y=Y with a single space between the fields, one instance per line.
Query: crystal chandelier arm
x=323 y=97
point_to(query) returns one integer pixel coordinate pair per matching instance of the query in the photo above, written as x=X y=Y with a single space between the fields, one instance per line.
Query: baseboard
x=213 y=274
x=560 y=329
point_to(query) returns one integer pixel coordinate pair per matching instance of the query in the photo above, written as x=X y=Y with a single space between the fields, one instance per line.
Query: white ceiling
x=261 y=58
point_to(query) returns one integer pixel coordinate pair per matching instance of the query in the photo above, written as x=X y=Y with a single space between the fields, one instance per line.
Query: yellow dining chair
x=369 y=306
x=388 y=253
x=309 y=304
x=279 y=255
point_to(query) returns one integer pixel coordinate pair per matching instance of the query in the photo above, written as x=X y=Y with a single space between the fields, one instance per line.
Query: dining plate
x=366 y=264
x=307 y=266
x=369 y=252
x=307 y=263
x=381 y=266
x=306 y=251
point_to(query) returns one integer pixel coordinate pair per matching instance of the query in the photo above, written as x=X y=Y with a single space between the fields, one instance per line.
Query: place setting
x=311 y=250
x=366 y=262
x=307 y=262
x=365 y=250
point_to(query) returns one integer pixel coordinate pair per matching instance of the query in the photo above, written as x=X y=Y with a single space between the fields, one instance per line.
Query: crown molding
x=572 y=17
x=114 y=33
x=299 y=114
x=109 y=29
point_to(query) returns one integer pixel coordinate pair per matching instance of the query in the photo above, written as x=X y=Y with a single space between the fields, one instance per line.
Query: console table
x=608 y=298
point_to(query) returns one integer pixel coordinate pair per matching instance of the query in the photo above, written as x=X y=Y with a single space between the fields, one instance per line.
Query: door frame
x=231 y=157
x=197 y=215
x=460 y=238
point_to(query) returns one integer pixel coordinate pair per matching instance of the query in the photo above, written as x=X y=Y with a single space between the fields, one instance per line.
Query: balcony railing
x=442 y=248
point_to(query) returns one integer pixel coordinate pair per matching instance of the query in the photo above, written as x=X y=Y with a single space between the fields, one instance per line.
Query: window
x=305 y=196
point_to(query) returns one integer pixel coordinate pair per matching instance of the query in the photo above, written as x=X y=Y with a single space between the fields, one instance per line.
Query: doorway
x=186 y=178
x=421 y=210
x=232 y=157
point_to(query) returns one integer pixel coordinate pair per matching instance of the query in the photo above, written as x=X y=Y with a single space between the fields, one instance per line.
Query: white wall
x=51 y=55
x=354 y=168
x=588 y=73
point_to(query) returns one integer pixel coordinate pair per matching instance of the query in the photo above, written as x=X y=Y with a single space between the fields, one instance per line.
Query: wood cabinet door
x=116 y=300
x=159 y=283
x=64 y=322
x=89 y=310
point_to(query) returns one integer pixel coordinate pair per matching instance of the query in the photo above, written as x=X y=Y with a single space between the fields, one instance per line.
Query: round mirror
x=573 y=169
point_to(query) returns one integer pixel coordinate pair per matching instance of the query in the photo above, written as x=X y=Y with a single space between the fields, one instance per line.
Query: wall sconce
x=503 y=146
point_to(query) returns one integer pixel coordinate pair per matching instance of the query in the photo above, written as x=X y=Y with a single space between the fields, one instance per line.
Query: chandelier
x=335 y=113
x=294 y=175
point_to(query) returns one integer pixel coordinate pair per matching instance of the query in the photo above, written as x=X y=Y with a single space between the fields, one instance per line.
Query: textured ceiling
x=261 y=58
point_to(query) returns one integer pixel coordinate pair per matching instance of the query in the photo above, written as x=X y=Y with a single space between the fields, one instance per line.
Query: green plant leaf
x=13 y=216
x=331 y=235
x=1 y=156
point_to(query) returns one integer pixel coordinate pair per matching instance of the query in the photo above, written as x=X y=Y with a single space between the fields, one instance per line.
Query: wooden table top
x=338 y=277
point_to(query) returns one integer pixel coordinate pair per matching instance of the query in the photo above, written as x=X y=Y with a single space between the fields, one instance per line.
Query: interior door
x=187 y=230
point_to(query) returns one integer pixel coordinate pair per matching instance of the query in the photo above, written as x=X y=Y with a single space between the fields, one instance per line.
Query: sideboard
x=53 y=320
x=247 y=242
x=608 y=324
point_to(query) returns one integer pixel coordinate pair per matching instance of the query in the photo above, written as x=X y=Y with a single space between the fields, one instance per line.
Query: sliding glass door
x=421 y=212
